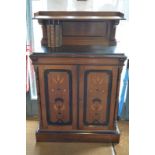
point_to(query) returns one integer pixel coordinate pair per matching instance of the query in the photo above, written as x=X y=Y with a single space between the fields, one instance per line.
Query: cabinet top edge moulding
x=80 y=10
x=80 y=15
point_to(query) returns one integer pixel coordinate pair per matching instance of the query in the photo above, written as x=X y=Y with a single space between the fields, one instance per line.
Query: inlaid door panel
x=59 y=99
x=96 y=101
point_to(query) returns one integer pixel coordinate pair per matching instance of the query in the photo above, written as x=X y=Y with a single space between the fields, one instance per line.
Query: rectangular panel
x=71 y=40
x=84 y=29
x=58 y=99
x=97 y=97
x=58 y=89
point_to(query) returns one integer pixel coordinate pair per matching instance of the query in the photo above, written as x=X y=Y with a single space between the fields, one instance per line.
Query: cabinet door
x=58 y=97
x=97 y=95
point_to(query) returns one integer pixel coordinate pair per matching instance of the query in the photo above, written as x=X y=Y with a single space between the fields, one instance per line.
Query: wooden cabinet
x=78 y=72
x=78 y=97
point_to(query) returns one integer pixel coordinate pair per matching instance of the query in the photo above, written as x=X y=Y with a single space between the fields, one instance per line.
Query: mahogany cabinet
x=78 y=96
x=78 y=71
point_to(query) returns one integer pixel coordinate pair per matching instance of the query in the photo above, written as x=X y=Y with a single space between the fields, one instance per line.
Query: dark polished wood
x=82 y=27
x=83 y=32
x=78 y=136
x=97 y=103
x=78 y=71
x=78 y=92
x=58 y=96
x=79 y=15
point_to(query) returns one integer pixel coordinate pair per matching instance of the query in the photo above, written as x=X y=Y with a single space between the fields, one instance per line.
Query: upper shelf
x=80 y=10
x=80 y=15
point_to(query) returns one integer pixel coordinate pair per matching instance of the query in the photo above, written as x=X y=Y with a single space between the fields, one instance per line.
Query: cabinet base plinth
x=78 y=136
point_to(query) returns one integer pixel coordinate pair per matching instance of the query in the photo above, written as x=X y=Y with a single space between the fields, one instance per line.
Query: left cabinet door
x=58 y=97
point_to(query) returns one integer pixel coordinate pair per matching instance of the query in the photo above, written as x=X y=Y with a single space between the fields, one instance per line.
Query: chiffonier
x=78 y=74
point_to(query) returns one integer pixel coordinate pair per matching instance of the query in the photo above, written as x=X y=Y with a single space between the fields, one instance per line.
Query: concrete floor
x=33 y=148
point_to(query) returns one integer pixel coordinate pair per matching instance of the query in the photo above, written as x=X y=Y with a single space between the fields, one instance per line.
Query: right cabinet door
x=97 y=97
